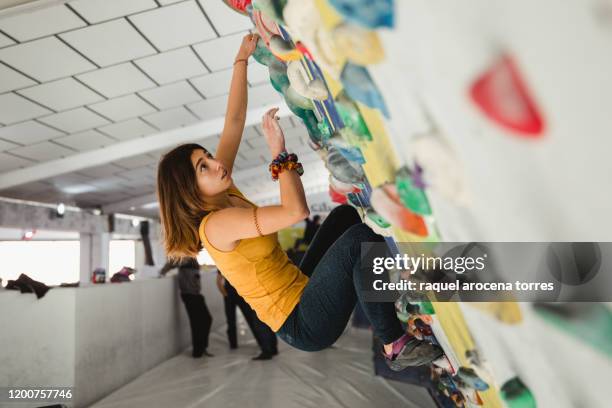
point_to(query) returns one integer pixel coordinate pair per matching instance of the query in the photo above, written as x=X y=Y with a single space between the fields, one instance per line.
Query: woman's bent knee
x=345 y=211
x=364 y=233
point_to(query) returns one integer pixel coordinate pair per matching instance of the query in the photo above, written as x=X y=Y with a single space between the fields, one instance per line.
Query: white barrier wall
x=94 y=338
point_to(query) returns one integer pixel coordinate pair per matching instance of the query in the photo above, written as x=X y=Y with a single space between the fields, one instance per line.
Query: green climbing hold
x=352 y=118
x=262 y=54
x=425 y=307
x=278 y=76
x=413 y=197
x=271 y=8
x=280 y=82
x=310 y=121
x=590 y=323
x=325 y=130
x=377 y=218
x=516 y=395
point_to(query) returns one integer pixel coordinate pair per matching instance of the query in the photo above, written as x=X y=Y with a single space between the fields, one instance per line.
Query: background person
x=266 y=338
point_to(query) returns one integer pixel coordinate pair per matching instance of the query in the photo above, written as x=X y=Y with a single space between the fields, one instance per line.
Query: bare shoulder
x=224 y=228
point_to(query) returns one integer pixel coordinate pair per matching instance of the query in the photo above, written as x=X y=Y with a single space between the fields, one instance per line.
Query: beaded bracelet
x=285 y=161
x=256 y=222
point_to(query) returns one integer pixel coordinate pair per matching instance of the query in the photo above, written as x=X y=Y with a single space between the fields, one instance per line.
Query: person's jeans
x=333 y=263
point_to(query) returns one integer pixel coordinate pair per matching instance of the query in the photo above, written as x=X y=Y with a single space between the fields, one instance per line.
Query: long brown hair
x=180 y=204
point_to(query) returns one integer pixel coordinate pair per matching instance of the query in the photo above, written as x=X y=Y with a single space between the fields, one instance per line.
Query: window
x=50 y=262
x=121 y=253
x=204 y=258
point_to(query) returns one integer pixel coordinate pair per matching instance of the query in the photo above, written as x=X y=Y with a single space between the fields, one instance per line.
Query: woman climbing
x=307 y=306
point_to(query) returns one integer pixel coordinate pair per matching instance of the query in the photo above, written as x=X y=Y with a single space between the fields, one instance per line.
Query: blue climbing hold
x=358 y=85
x=367 y=13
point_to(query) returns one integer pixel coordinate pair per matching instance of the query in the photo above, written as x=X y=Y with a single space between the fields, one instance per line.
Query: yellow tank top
x=261 y=272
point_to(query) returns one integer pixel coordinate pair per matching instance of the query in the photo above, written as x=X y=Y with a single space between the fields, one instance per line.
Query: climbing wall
x=442 y=121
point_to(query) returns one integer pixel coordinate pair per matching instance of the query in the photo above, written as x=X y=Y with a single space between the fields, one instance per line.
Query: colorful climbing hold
x=411 y=196
x=469 y=377
x=337 y=197
x=357 y=44
x=271 y=8
x=516 y=394
x=352 y=118
x=386 y=202
x=238 y=5
x=312 y=89
x=343 y=169
x=284 y=49
x=360 y=86
x=502 y=95
x=367 y=13
x=351 y=153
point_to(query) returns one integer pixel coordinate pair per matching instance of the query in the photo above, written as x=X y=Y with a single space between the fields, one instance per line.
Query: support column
x=94 y=254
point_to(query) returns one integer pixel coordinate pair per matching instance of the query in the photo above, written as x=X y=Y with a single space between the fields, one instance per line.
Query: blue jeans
x=333 y=263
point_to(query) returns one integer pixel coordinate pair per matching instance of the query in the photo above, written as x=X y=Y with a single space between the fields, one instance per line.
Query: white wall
x=37 y=338
x=96 y=338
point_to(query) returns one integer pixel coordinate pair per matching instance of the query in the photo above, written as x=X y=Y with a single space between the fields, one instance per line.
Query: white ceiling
x=89 y=74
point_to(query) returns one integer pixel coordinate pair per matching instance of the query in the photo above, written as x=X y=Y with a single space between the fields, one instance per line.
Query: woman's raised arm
x=235 y=114
x=230 y=225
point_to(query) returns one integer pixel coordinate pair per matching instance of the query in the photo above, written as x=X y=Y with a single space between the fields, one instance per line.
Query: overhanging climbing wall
x=455 y=122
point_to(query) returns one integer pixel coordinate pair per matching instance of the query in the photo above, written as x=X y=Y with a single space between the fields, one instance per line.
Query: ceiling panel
x=11 y=79
x=137 y=182
x=62 y=94
x=220 y=53
x=129 y=129
x=45 y=59
x=172 y=118
x=14 y=108
x=214 y=84
x=28 y=132
x=5 y=41
x=117 y=80
x=75 y=120
x=68 y=180
x=6 y=145
x=42 y=151
x=88 y=140
x=138 y=174
x=109 y=183
x=210 y=108
x=172 y=66
x=225 y=20
x=169 y=96
x=105 y=170
x=96 y=11
x=257 y=142
x=109 y=43
x=133 y=80
x=264 y=95
x=36 y=186
x=135 y=162
x=174 y=26
x=251 y=132
x=122 y=108
x=40 y=22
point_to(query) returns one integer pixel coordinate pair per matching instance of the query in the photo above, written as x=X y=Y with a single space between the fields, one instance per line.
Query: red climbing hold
x=503 y=96
x=337 y=197
x=238 y=5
